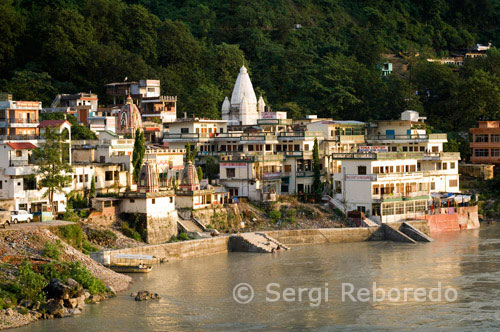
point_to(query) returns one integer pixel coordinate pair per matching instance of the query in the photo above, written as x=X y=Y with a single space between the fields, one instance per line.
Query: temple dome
x=148 y=178
x=243 y=87
x=190 y=180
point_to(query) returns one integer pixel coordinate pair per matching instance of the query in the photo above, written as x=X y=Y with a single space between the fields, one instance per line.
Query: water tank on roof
x=410 y=116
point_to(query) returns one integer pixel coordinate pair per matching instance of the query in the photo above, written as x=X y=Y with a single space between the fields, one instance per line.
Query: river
x=197 y=294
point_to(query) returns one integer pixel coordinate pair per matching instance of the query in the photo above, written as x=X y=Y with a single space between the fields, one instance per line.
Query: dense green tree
x=317 y=186
x=138 y=153
x=52 y=168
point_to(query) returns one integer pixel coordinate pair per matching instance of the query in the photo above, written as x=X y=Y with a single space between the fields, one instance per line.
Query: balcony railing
x=14 y=120
x=16 y=163
x=301 y=134
x=421 y=137
x=19 y=137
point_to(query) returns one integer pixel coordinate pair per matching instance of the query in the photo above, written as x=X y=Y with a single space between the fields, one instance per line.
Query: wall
x=463 y=218
x=161 y=228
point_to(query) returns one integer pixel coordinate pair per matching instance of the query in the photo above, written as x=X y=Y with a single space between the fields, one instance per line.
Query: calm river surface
x=197 y=293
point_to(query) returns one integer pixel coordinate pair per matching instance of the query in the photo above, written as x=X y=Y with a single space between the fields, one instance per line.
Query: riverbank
x=30 y=259
x=203 y=247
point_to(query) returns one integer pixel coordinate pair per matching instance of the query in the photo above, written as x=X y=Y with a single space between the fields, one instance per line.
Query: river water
x=197 y=294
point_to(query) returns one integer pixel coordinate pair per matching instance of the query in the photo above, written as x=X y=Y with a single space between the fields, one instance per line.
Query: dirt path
x=35 y=225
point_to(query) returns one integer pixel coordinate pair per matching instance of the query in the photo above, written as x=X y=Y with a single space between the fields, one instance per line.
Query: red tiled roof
x=21 y=146
x=52 y=123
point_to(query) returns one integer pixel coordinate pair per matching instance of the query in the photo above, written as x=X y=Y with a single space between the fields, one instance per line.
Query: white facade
x=243 y=109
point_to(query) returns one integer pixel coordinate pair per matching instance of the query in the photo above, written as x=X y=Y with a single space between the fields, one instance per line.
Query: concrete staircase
x=255 y=242
x=189 y=225
x=405 y=233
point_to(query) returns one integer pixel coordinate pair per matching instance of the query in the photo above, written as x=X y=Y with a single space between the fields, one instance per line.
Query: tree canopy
x=305 y=57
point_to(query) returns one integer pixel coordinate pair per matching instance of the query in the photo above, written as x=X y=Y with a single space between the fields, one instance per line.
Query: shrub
x=130 y=232
x=71 y=215
x=87 y=248
x=183 y=237
x=72 y=234
x=275 y=215
x=101 y=237
x=291 y=215
x=83 y=276
x=31 y=283
x=52 y=250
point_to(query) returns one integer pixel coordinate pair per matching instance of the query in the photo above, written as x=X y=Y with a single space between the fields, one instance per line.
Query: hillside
x=304 y=56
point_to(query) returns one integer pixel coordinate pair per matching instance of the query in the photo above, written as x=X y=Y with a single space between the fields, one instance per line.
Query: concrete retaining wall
x=217 y=245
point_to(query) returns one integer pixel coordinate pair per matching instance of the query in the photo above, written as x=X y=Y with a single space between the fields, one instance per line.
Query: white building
x=243 y=109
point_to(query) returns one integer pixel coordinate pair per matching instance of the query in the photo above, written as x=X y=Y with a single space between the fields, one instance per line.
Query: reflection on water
x=197 y=293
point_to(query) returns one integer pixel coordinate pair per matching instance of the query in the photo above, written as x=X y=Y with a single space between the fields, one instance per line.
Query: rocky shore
x=63 y=298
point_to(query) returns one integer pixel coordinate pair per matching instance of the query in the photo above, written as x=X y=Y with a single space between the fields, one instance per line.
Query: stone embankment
x=221 y=244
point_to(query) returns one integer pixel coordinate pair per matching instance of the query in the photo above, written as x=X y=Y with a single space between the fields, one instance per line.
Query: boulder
x=54 y=308
x=76 y=289
x=35 y=305
x=71 y=303
x=110 y=289
x=146 y=295
x=56 y=289
x=9 y=312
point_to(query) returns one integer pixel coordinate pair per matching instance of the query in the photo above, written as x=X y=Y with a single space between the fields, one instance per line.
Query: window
x=296 y=147
x=412 y=168
x=230 y=172
x=495 y=138
x=495 y=152
x=387 y=209
x=268 y=147
x=81 y=178
x=433 y=185
x=19 y=153
x=361 y=170
x=153 y=201
x=86 y=178
x=132 y=200
x=171 y=199
x=481 y=152
x=481 y=138
x=107 y=203
x=184 y=130
x=375 y=170
x=250 y=148
x=288 y=168
x=452 y=165
x=108 y=176
x=375 y=190
x=445 y=166
x=29 y=183
x=399 y=208
x=453 y=183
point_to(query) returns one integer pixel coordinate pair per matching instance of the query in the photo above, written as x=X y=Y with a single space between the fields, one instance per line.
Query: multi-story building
x=19 y=119
x=485 y=143
x=392 y=186
x=137 y=90
x=82 y=105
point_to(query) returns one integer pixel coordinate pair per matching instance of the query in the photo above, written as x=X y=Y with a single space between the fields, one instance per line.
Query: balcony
x=18 y=163
x=303 y=174
x=274 y=122
x=400 y=196
x=19 y=137
x=300 y=134
x=350 y=138
x=408 y=137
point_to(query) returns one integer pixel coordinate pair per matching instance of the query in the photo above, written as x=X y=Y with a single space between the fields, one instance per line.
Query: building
x=243 y=109
x=393 y=186
x=19 y=119
x=385 y=68
x=137 y=90
x=82 y=105
x=485 y=143
x=19 y=183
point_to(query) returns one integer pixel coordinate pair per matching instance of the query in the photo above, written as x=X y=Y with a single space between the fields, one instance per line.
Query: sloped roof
x=52 y=123
x=22 y=145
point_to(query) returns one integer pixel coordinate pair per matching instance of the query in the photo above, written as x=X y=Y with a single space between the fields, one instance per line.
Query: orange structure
x=485 y=143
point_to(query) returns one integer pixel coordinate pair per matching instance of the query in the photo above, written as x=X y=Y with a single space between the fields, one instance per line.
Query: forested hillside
x=325 y=66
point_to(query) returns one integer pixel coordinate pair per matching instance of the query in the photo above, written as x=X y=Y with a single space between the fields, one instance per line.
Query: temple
x=244 y=109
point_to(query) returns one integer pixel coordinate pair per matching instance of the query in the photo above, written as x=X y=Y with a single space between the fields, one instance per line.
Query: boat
x=141 y=268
